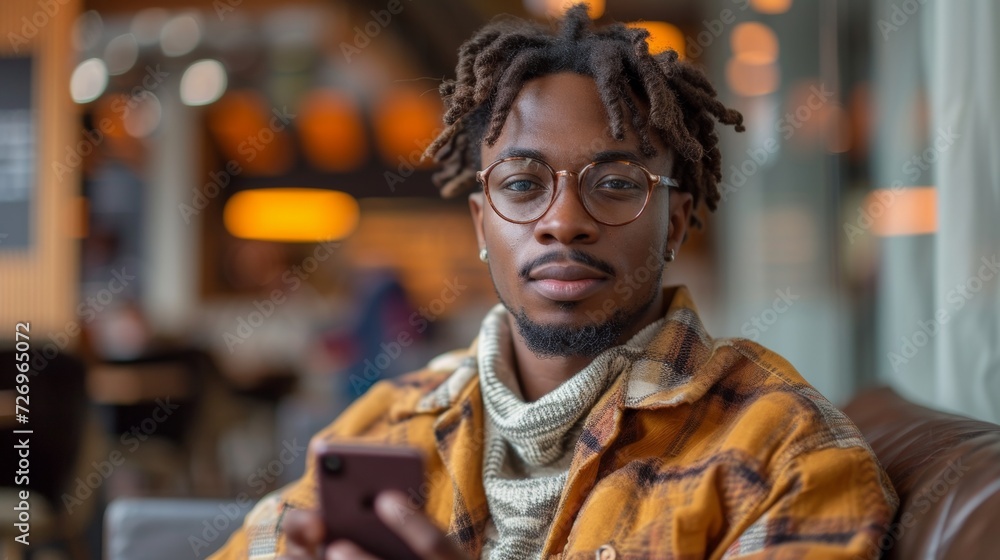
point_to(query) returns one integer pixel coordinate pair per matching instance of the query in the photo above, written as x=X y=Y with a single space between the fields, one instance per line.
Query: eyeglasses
x=614 y=193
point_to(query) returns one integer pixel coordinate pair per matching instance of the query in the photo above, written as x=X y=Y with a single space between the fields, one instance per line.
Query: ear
x=681 y=206
x=476 y=205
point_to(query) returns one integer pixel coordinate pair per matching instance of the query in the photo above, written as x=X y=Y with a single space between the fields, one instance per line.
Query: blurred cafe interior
x=216 y=218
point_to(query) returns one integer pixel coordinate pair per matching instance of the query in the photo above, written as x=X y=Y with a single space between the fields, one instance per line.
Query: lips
x=566 y=281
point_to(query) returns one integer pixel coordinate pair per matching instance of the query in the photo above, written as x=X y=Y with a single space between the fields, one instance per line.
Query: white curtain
x=937 y=74
x=963 y=54
x=906 y=273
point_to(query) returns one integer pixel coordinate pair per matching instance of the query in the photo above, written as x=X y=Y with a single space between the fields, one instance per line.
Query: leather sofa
x=946 y=470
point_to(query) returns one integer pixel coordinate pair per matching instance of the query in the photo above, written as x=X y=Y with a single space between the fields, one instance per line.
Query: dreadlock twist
x=496 y=62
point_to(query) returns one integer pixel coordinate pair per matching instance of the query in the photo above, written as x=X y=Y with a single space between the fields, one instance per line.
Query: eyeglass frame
x=654 y=181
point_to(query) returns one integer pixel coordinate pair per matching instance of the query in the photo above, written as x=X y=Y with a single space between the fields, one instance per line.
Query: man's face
x=576 y=286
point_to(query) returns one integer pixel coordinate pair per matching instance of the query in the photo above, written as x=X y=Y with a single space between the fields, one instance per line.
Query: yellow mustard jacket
x=706 y=448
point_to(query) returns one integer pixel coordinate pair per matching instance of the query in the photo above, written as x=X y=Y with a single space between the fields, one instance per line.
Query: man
x=594 y=416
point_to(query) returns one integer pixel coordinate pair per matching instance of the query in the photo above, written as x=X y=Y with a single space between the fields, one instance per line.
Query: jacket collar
x=675 y=367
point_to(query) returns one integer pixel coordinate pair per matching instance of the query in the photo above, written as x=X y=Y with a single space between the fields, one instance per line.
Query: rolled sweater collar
x=537 y=430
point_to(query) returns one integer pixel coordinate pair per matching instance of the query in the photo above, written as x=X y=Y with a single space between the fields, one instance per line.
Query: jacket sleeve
x=259 y=537
x=234 y=549
x=831 y=503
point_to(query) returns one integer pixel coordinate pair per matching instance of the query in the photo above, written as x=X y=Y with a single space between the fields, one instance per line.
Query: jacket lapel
x=600 y=430
x=459 y=435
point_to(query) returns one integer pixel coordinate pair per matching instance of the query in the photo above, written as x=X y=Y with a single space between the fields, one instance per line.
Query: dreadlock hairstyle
x=496 y=62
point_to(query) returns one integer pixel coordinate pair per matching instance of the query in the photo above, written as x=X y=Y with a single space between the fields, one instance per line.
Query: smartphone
x=351 y=476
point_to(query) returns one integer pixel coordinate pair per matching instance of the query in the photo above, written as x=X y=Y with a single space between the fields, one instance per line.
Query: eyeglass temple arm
x=668 y=181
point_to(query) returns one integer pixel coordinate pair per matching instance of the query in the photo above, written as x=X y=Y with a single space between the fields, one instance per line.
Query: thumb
x=304 y=531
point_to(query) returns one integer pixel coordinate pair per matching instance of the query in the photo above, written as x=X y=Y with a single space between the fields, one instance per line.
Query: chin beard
x=550 y=341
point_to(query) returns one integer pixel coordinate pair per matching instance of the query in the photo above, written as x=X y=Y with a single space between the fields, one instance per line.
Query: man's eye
x=617 y=184
x=521 y=186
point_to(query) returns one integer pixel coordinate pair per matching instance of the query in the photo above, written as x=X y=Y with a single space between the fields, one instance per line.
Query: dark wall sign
x=18 y=148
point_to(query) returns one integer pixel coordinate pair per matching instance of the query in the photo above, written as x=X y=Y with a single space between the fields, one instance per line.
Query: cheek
x=659 y=216
x=659 y=233
x=504 y=242
x=650 y=234
x=642 y=250
x=504 y=236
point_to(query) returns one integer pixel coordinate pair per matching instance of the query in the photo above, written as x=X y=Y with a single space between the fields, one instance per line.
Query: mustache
x=574 y=255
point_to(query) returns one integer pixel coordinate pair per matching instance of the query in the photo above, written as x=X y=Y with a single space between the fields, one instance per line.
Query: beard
x=588 y=340
x=550 y=341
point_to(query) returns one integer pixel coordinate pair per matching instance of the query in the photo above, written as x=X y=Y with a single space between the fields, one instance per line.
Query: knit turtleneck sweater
x=528 y=447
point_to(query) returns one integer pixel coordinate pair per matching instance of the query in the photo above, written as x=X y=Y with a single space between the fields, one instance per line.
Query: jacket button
x=606 y=552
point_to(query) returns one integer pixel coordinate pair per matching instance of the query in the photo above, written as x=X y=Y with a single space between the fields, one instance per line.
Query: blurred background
x=216 y=220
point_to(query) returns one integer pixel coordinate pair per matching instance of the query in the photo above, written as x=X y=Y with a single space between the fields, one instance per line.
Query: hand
x=304 y=533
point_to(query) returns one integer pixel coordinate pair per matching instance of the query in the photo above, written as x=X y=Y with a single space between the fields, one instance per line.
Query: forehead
x=562 y=118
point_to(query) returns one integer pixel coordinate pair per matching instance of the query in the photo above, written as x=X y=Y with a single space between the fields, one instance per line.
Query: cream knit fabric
x=529 y=446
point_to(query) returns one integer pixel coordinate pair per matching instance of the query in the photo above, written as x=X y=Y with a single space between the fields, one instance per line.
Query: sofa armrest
x=946 y=470
x=161 y=529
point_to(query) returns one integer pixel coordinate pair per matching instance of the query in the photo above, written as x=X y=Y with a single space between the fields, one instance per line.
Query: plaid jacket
x=708 y=448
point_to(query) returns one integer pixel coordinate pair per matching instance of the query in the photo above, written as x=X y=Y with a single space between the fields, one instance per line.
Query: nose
x=567 y=221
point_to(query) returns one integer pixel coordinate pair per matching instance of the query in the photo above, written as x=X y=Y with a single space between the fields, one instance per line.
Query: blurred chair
x=946 y=470
x=57 y=415
x=155 y=529
x=151 y=408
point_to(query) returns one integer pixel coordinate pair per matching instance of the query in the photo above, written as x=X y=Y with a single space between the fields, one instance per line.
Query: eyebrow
x=611 y=155
x=521 y=152
x=607 y=155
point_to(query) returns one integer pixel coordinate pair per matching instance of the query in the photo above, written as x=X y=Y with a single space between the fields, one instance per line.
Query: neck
x=538 y=376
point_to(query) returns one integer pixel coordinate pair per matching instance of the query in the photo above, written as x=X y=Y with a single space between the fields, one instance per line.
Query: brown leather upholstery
x=946 y=470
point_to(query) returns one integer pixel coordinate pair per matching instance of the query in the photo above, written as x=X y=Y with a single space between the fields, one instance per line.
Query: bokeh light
x=87 y=31
x=291 y=214
x=147 y=24
x=121 y=53
x=332 y=131
x=771 y=6
x=180 y=35
x=755 y=43
x=88 y=80
x=556 y=8
x=662 y=36
x=144 y=115
x=406 y=122
x=906 y=211
x=203 y=82
x=749 y=79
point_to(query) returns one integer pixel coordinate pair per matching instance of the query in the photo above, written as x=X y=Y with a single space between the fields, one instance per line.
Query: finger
x=303 y=531
x=415 y=528
x=346 y=550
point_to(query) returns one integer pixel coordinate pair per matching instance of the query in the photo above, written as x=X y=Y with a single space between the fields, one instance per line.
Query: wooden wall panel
x=39 y=284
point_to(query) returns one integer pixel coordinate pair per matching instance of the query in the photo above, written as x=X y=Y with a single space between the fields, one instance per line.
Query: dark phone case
x=347 y=496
